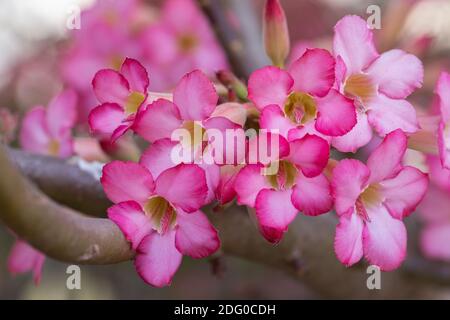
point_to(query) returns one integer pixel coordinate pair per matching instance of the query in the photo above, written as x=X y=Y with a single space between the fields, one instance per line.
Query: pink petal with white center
x=131 y=220
x=386 y=160
x=359 y=136
x=336 y=114
x=313 y=72
x=386 y=115
x=62 y=113
x=312 y=196
x=106 y=118
x=196 y=237
x=124 y=181
x=158 y=259
x=34 y=135
x=353 y=42
x=157 y=158
x=384 y=239
x=195 y=96
x=135 y=74
x=348 y=244
x=183 y=186
x=274 y=209
x=247 y=192
x=310 y=154
x=157 y=120
x=349 y=179
x=269 y=85
x=24 y=258
x=273 y=118
x=397 y=73
x=403 y=193
x=434 y=241
x=110 y=86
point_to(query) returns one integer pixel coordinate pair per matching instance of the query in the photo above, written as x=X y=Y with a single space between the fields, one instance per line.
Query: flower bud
x=276 y=34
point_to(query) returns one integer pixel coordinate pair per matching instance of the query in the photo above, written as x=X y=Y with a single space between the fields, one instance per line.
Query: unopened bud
x=276 y=33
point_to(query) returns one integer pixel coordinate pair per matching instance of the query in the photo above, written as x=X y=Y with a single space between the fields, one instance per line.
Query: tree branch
x=306 y=252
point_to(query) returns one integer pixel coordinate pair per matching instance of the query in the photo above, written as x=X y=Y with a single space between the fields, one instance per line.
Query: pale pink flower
x=49 y=131
x=121 y=94
x=180 y=42
x=24 y=258
x=299 y=185
x=161 y=217
x=371 y=201
x=378 y=83
x=302 y=97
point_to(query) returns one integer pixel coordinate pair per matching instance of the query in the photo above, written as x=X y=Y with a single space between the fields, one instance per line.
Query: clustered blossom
x=322 y=100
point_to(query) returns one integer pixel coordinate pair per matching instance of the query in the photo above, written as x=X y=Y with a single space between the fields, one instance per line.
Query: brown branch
x=306 y=252
x=59 y=232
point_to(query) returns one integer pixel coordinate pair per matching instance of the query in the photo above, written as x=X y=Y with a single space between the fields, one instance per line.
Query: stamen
x=133 y=102
x=285 y=177
x=162 y=214
x=300 y=108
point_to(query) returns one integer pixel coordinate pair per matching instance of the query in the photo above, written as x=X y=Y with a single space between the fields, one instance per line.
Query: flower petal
x=247 y=192
x=34 y=135
x=131 y=220
x=397 y=73
x=349 y=179
x=336 y=114
x=24 y=258
x=106 y=118
x=196 y=237
x=434 y=241
x=386 y=115
x=269 y=85
x=348 y=244
x=384 y=239
x=310 y=153
x=135 y=74
x=158 y=259
x=157 y=158
x=110 y=86
x=385 y=160
x=357 y=137
x=443 y=93
x=274 y=209
x=404 y=192
x=124 y=181
x=62 y=113
x=313 y=72
x=272 y=118
x=157 y=120
x=312 y=196
x=183 y=186
x=353 y=42
x=195 y=96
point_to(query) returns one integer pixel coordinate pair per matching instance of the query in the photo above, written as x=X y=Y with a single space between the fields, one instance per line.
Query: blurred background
x=46 y=46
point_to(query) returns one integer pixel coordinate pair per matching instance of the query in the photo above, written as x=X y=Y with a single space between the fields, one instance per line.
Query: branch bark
x=306 y=252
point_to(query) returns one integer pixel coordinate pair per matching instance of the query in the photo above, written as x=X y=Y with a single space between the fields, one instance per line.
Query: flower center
x=161 y=213
x=370 y=197
x=196 y=132
x=300 y=108
x=285 y=177
x=187 y=42
x=53 y=147
x=133 y=102
x=360 y=86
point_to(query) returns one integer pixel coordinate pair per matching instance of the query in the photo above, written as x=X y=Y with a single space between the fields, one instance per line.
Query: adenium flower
x=121 y=94
x=371 y=200
x=161 y=216
x=302 y=97
x=299 y=185
x=24 y=258
x=49 y=131
x=443 y=94
x=378 y=83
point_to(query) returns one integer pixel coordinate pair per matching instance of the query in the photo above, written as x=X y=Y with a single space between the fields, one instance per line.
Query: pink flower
x=49 y=131
x=302 y=96
x=180 y=42
x=443 y=94
x=378 y=83
x=161 y=217
x=298 y=185
x=24 y=258
x=121 y=94
x=371 y=201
